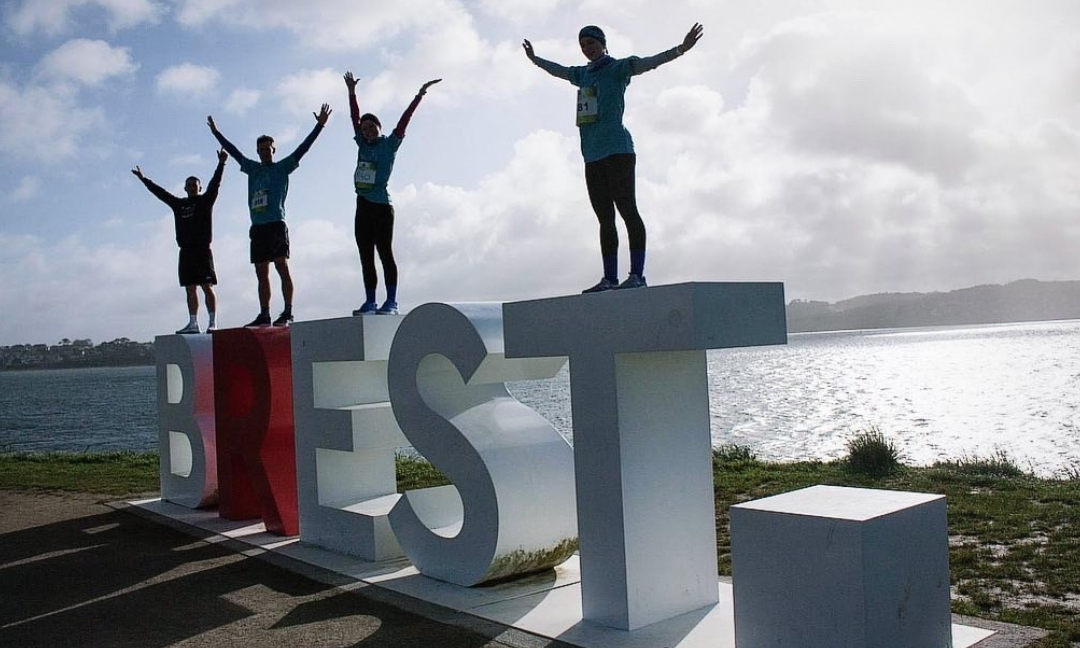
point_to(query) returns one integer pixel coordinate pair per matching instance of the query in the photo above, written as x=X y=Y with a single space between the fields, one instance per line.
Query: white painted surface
x=642 y=447
x=346 y=435
x=186 y=432
x=512 y=471
x=832 y=567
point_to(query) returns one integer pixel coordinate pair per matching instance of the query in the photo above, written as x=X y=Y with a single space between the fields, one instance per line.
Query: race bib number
x=587 y=110
x=365 y=175
x=260 y=200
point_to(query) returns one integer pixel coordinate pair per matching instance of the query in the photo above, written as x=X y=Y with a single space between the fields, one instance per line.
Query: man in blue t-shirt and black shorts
x=268 y=185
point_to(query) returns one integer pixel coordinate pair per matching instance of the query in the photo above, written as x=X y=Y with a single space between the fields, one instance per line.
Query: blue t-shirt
x=374 y=163
x=603 y=133
x=602 y=99
x=268 y=185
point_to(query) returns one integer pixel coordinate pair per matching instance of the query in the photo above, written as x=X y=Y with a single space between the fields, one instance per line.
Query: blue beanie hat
x=592 y=31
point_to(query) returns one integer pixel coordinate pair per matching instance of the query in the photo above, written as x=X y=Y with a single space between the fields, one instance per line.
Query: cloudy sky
x=842 y=147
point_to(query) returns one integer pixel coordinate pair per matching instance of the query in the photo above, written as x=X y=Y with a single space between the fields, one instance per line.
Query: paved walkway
x=74 y=572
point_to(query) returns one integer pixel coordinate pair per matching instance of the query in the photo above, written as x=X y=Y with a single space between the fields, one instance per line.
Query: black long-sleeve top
x=193 y=216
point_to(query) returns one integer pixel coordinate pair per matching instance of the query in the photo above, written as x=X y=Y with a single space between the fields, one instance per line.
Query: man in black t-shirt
x=193 y=216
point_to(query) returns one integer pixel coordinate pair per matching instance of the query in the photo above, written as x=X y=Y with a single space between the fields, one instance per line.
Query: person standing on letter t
x=193 y=217
x=268 y=185
x=374 y=222
x=607 y=146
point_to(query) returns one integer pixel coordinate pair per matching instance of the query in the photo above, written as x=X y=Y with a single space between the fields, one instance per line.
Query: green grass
x=105 y=473
x=1014 y=538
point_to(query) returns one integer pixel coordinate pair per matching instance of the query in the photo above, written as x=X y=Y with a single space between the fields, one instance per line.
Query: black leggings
x=610 y=182
x=374 y=230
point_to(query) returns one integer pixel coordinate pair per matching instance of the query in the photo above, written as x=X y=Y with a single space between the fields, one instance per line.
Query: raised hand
x=323 y=115
x=211 y=124
x=423 y=88
x=528 y=49
x=692 y=37
x=138 y=172
x=222 y=156
x=350 y=81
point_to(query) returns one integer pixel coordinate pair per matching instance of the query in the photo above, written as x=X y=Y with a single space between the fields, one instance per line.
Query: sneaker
x=284 y=319
x=388 y=308
x=188 y=330
x=210 y=328
x=367 y=309
x=261 y=320
x=633 y=281
x=605 y=284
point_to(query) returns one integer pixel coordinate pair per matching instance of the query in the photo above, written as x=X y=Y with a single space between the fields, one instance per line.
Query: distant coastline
x=71 y=354
x=1026 y=300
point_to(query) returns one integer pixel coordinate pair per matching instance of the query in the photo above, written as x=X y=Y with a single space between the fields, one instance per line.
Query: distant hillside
x=1020 y=301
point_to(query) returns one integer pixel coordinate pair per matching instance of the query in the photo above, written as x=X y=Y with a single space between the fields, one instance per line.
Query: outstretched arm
x=320 y=121
x=225 y=144
x=354 y=108
x=403 y=123
x=554 y=69
x=215 y=181
x=159 y=193
x=641 y=65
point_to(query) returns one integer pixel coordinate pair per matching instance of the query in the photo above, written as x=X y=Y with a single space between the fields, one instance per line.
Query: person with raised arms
x=606 y=145
x=193 y=218
x=373 y=224
x=268 y=185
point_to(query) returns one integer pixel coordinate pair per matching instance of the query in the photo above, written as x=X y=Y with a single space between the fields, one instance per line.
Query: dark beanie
x=592 y=31
x=371 y=118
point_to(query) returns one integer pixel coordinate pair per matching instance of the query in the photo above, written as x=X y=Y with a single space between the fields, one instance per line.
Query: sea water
x=937 y=393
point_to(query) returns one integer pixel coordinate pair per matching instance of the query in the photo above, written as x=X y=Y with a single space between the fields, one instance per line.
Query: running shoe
x=189 y=329
x=388 y=308
x=368 y=308
x=605 y=284
x=210 y=328
x=261 y=320
x=284 y=319
x=633 y=281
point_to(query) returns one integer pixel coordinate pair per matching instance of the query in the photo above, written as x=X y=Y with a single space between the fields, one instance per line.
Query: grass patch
x=1014 y=540
x=871 y=453
x=107 y=473
x=998 y=464
x=415 y=472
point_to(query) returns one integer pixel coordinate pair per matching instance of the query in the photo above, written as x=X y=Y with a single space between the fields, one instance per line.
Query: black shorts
x=196 y=267
x=269 y=241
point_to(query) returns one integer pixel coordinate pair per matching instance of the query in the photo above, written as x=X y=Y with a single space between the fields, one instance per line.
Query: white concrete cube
x=832 y=567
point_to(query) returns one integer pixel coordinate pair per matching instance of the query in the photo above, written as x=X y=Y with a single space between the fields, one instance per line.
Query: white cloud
x=520 y=12
x=87 y=61
x=304 y=92
x=242 y=100
x=188 y=79
x=28 y=188
x=57 y=16
x=324 y=24
x=43 y=124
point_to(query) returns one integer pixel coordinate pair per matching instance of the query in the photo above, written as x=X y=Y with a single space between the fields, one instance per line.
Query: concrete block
x=832 y=567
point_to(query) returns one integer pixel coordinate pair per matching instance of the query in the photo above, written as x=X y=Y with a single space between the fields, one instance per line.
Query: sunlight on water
x=938 y=393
